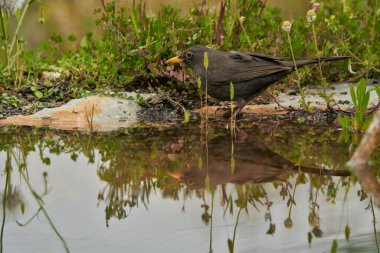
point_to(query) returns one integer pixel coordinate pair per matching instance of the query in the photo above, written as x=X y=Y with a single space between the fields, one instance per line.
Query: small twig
x=288 y=109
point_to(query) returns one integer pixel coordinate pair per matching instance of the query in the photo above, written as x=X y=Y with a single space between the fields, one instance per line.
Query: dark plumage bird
x=250 y=73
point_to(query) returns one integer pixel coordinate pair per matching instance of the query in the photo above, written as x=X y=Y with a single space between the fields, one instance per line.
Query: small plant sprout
x=200 y=91
x=241 y=22
x=311 y=16
x=359 y=120
x=232 y=95
x=286 y=26
x=205 y=60
x=186 y=115
x=205 y=63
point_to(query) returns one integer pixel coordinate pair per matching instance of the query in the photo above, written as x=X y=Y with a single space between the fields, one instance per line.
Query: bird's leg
x=240 y=105
x=224 y=108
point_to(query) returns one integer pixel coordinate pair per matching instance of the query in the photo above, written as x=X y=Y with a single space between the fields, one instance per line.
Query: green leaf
x=354 y=123
x=359 y=119
x=353 y=96
x=72 y=37
x=344 y=136
x=347 y=232
x=187 y=115
x=365 y=102
x=207 y=182
x=199 y=82
x=38 y=94
x=334 y=247
x=134 y=23
x=84 y=42
x=377 y=89
x=367 y=122
x=232 y=91
x=343 y=120
x=205 y=60
x=360 y=90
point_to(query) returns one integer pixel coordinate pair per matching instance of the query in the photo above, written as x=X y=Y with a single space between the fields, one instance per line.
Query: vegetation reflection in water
x=175 y=162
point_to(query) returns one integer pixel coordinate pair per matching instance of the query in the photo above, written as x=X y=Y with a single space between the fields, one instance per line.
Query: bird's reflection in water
x=254 y=163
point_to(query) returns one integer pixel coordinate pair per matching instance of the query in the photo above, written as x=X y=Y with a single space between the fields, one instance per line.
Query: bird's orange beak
x=174 y=60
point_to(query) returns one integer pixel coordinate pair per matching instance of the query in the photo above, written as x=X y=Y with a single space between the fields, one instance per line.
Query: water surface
x=174 y=189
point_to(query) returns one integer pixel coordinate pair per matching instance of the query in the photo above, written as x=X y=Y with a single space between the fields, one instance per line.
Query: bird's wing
x=243 y=67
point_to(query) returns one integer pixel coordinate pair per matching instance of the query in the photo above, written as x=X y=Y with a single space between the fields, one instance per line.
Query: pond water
x=268 y=187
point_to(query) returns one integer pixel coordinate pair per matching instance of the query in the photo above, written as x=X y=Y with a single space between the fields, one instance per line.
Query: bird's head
x=193 y=56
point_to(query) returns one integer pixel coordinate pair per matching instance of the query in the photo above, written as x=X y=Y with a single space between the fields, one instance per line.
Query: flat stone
x=96 y=113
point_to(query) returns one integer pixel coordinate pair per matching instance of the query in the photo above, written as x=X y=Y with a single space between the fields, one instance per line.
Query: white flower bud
x=286 y=26
x=311 y=16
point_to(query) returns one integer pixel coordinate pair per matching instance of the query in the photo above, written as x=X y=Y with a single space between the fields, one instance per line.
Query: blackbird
x=250 y=73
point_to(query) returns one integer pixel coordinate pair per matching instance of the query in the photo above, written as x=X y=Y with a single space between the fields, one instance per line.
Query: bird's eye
x=189 y=55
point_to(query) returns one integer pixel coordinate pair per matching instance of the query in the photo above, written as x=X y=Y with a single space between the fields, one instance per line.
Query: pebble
x=292 y=92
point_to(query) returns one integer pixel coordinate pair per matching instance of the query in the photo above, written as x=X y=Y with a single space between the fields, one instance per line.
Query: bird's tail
x=302 y=63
